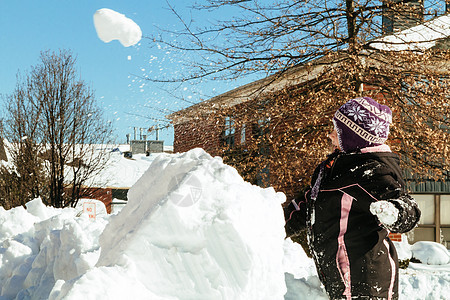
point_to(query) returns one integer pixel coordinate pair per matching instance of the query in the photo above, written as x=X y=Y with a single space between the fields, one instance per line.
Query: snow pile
x=430 y=253
x=427 y=280
x=301 y=276
x=421 y=281
x=419 y=38
x=403 y=249
x=193 y=229
x=417 y=282
x=43 y=246
x=111 y=25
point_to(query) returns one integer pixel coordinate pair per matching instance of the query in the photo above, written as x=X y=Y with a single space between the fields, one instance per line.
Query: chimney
x=399 y=15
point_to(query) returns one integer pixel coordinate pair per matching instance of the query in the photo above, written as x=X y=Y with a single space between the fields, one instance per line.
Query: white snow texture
x=192 y=229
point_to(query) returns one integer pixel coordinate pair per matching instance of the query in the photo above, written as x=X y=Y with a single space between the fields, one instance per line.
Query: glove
x=386 y=212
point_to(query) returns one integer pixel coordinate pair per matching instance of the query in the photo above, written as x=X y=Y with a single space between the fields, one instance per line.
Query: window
x=228 y=132
x=445 y=210
x=427 y=228
x=243 y=134
x=445 y=220
x=261 y=127
x=434 y=224
x=259 y=130
x=426 y=205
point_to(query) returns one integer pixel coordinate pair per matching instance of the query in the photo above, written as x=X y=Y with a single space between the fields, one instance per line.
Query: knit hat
x=361 y=123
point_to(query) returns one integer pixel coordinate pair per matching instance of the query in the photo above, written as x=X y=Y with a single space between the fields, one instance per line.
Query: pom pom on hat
x=362 y=122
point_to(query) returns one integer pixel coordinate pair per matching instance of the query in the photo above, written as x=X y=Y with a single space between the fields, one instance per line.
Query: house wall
x=209 y=137
x=205 y=134
x=193 y=134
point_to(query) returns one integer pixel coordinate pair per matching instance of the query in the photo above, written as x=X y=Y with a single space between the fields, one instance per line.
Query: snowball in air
x=111 y=25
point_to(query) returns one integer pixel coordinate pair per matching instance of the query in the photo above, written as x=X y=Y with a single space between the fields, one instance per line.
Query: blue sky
x=115 y=73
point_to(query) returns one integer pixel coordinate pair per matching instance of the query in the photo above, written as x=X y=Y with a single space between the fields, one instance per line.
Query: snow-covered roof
x=121 y=172
x=417 y=38
x=118 y=172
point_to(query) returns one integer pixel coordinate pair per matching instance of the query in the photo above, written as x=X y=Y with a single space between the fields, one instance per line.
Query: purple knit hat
x=361 y=123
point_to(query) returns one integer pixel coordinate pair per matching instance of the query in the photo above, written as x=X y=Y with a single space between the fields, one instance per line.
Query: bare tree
x=55 y=130
x=23 y=178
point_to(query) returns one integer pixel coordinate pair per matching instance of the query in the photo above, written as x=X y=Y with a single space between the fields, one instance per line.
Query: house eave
x=251 y=91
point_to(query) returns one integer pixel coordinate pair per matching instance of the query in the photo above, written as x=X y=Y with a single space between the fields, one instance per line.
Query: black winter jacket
x=352 y=251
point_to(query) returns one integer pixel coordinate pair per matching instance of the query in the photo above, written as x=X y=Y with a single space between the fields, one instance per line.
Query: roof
x=118 y=172
x=418 y=38
x=121 y=172
x=251 y=91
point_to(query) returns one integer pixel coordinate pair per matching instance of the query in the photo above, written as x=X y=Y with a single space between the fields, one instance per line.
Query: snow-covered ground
x=192 y=229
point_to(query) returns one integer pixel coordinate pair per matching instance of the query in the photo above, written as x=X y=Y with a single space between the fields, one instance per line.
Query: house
x=112 y=183
x=226 y=124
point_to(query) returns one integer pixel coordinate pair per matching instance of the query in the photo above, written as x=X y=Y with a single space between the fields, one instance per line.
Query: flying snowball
x=111 y=25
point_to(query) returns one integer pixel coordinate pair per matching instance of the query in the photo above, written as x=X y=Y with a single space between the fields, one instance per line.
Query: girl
x=357 y=196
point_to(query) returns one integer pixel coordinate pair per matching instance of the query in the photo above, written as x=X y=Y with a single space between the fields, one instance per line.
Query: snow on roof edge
x=417 y=38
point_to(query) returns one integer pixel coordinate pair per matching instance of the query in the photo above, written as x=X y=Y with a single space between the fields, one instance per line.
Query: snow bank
x=301 y=276
x=111 y=25
x=43 y=246
x=403 y=249
x=193 y=229
x=430 y=253
x=420 y=282
x=417 y=282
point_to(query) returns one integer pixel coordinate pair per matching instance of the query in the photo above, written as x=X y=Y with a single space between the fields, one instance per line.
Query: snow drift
x=41 y=245
x=193 y=229
x=111 y=25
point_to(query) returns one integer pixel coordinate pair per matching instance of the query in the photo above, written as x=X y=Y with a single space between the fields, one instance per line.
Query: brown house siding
x=198 y=134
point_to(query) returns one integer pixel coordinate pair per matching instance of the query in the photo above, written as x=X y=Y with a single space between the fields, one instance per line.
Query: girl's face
x=334 y=139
